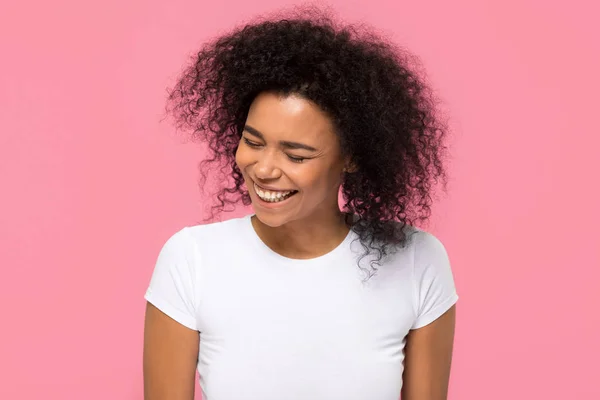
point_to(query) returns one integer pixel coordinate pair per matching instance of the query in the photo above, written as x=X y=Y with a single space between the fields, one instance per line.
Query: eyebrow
x=283 y=143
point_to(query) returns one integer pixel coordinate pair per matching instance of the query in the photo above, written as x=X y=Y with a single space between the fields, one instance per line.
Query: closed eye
x=251 y=143
x=290 y=157
x=296 y=159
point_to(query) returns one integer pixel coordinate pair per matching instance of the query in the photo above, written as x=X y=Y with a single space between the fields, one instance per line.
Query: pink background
x=93 y=184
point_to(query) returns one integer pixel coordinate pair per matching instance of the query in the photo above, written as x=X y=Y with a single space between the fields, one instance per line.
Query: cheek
x=314 y=180
x=241 y=158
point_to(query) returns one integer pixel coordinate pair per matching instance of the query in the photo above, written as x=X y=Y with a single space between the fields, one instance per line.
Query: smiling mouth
x=273 y=196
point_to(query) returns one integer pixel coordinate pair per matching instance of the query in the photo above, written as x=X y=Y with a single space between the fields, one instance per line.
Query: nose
x=266 y=167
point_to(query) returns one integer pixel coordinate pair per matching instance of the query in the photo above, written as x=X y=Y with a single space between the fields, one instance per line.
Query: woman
x=304 y=299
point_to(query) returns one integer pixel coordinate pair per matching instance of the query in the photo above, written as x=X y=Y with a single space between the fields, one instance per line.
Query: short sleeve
x=435 y=291
x=172 y=286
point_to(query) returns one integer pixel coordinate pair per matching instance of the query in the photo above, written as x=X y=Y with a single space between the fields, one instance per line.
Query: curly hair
x=384 y=113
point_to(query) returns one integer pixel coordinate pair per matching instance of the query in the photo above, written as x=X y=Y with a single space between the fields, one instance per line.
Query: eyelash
x=291 y=158
x=295 y=159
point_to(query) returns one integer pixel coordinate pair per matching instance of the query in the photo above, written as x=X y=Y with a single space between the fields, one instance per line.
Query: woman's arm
x=428 y=355
x=170 y=357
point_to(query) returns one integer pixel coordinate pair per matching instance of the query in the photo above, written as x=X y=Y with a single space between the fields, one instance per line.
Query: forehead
x=290 y=118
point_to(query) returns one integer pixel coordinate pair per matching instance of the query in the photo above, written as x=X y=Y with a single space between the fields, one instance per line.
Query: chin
x=269 y=219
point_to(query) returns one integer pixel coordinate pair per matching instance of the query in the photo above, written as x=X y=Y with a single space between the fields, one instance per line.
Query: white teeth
x=271 y=196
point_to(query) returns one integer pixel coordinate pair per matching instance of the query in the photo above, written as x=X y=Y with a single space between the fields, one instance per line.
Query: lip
x=266 y=204
x=271 y=188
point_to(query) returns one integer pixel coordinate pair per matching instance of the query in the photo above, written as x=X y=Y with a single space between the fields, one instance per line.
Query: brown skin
x=310 y=224
x=290 y=144
x=170 y=357
x=428 y=356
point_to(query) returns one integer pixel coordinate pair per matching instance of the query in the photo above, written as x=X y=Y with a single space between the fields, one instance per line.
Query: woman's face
x=291 y=160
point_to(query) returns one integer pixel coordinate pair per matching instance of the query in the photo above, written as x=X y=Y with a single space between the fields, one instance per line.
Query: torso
x=274 y=328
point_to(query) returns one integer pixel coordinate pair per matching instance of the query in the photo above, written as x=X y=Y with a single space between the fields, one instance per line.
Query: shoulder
x=433 y=280
x=216 y=232
x=421 y=245
x=430 y=260
x=422 y=252
x=187 y=241
x=426 y=247
x=187 y=248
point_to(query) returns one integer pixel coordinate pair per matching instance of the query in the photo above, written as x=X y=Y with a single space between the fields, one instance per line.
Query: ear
x=350 y=167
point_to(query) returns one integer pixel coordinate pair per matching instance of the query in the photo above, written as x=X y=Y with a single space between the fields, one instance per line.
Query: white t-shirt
x=275 y=328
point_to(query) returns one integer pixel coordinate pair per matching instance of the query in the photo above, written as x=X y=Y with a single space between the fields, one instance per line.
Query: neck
x=306 y=238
